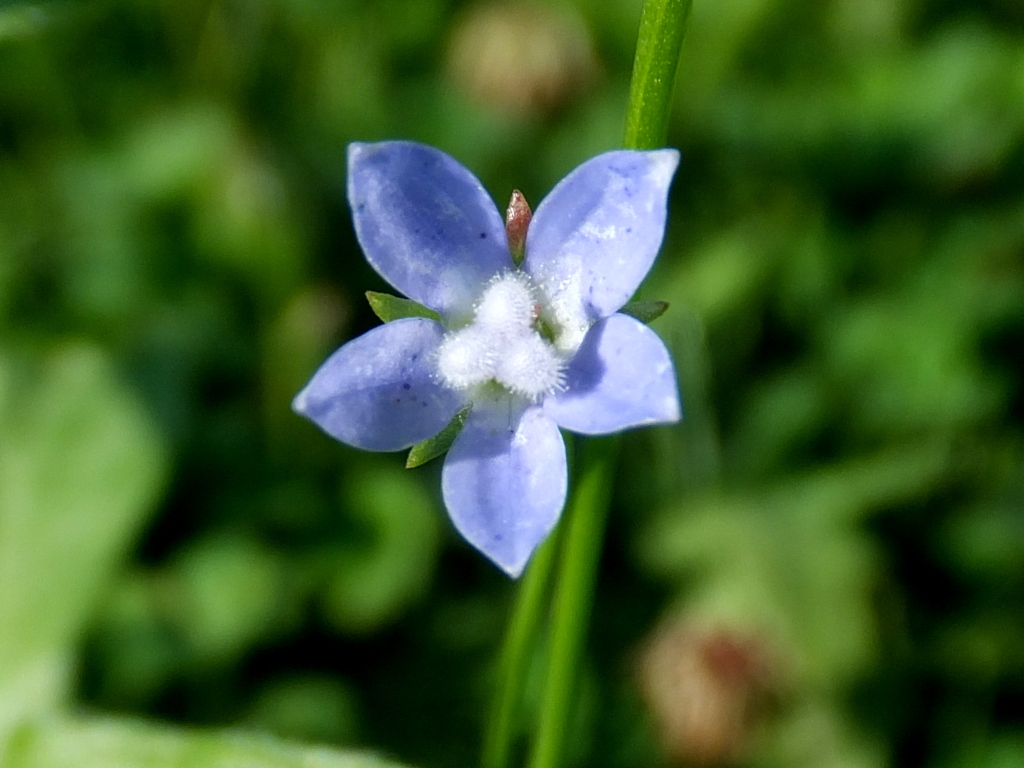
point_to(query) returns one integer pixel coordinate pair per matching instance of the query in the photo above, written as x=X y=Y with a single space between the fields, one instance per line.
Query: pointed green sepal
x=434 y=446
x=645 y=311
x=388 y=307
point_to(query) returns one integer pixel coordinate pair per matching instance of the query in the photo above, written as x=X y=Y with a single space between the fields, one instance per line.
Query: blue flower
x=530 y=348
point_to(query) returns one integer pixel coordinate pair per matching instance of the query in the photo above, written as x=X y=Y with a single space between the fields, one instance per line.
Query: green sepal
x=434 y=446
x=645 y=311
x=388 y=307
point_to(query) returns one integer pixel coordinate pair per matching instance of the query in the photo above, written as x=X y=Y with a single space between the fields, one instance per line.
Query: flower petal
x=378 y=392
x=594 y=237
x=425 y=223
x=504 y=483
x=621 y=377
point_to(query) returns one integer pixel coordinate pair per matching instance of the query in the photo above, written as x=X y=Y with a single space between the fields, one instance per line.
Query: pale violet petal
x=594 y=237
x=621 y=377
x=379 y=391
x=504 y=482
x=425 y=223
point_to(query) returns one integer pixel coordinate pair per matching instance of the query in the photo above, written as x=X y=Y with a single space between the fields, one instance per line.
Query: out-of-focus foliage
x=832 y=541
x=103 y=743
x=80 y=464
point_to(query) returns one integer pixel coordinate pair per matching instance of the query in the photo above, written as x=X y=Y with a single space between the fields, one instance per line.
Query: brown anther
x=517 y=220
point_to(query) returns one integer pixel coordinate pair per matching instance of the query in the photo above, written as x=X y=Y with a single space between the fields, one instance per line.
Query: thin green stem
x=581 y=554
x=513 y=666
x=662 y=28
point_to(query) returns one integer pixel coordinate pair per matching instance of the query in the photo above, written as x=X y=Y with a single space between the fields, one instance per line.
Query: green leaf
x=645 y=311
x=21 y=21
x=111 y=743
x=375 y=580
x=434 y=446
x=388 y=307
x=310 y=707
x=229 y=591
x=80 y=467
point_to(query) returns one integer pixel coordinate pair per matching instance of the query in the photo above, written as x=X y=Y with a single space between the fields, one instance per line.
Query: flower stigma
x=506 y=343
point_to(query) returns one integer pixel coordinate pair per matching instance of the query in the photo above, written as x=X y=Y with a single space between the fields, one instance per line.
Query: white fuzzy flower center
x=502 y=344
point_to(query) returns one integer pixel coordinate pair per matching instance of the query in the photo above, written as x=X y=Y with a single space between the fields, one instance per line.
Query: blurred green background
x=821 y=566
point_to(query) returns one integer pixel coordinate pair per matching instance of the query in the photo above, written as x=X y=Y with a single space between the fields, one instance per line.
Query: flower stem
x=515 y=657
x=581 y=554
x=662 y=28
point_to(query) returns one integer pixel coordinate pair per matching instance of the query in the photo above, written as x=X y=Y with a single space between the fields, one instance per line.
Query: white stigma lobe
x=507 y=305
x=502 y=344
